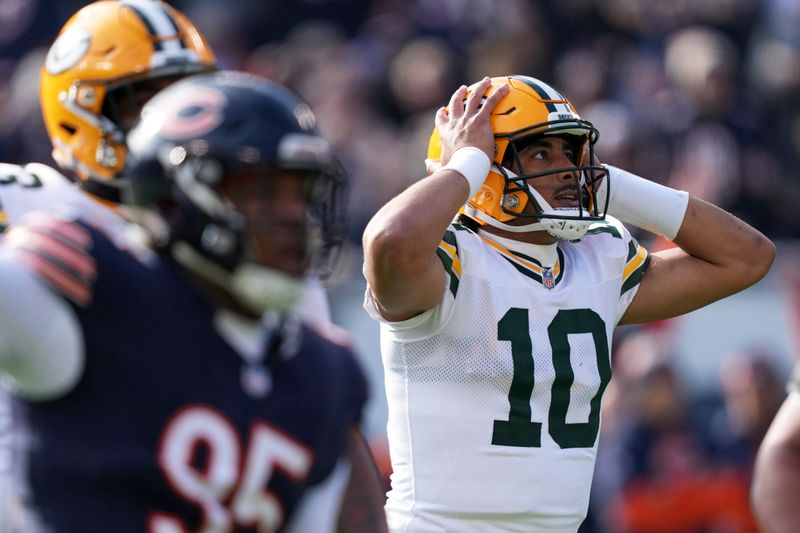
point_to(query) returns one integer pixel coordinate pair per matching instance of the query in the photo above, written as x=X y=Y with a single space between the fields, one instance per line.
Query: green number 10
x=519 y=430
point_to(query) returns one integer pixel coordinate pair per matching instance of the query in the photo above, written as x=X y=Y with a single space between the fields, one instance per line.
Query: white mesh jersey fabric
x=493 y=425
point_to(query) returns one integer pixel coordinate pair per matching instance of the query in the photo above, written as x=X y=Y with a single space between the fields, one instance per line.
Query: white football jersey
x=38 y=187
x=494 y=395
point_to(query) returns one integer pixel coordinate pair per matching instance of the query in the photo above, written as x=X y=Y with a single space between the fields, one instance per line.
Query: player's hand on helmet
x=466 y=122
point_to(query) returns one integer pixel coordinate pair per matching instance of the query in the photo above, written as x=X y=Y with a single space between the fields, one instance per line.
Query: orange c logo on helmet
x=192 y=113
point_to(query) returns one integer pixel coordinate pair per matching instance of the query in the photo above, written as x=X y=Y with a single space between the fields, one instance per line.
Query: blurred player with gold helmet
x=108 y=59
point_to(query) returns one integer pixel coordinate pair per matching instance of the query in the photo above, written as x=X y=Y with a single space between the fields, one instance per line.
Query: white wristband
x=643 y=203
x=473 y=164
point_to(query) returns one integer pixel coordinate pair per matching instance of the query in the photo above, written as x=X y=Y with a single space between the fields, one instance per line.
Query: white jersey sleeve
x=38 y=187
x=494 y=396
x=41 y=344
x=34 y=187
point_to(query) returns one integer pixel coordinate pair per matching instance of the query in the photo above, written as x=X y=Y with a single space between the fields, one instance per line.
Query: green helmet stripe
x=541 y=91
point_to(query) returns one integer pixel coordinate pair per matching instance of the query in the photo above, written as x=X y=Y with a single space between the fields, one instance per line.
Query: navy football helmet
x=199 y=137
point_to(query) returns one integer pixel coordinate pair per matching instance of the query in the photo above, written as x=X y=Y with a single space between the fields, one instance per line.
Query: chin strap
x=564 y=229
x=256 y=287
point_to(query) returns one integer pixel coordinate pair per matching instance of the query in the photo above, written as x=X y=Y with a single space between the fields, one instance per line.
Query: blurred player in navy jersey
x=169 y=385
x=107 y=60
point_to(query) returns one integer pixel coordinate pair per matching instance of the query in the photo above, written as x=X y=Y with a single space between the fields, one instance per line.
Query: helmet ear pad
x=493 y=199
x=489 y=198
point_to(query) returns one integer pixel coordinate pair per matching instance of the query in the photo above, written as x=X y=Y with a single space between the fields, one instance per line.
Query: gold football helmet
x=108 y=59
x=531 y=109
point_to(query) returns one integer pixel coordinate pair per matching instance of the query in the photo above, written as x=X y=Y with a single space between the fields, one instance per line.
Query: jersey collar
x=541 y=262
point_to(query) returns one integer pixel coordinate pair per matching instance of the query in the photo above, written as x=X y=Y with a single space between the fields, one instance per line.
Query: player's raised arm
x=400 y=241
x=717 y=255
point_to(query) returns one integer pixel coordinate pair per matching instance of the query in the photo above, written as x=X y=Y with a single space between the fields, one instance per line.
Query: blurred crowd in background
x=701 y=95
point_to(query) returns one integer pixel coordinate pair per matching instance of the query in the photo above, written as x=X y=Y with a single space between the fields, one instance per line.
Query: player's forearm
x=401 y=240
x=740 y=254
x=643 y=203
x=736 y=254
x=362 y=505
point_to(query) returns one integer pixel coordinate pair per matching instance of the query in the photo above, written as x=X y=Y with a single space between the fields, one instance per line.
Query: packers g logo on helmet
x=531 y=109
x=94 y=75
x=67 y=50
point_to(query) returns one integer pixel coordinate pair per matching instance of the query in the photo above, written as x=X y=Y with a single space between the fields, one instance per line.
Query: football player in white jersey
x=498 y=281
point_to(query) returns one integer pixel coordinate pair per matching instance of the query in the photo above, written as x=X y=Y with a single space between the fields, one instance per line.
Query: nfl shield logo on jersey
x=547 y=278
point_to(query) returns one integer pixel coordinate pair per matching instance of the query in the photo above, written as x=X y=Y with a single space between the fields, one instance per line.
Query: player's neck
x=546 y=252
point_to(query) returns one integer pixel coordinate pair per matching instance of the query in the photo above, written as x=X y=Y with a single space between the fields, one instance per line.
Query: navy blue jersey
x=161 y=435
